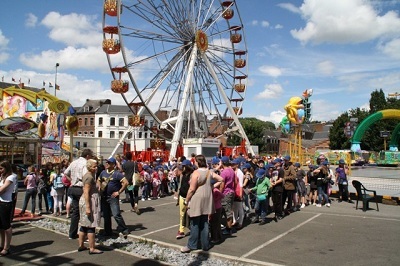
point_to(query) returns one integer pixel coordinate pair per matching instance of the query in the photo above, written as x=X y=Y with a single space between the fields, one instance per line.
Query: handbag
x=130 y=187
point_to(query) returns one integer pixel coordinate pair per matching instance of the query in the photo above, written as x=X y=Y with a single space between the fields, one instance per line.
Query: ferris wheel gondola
x=187 y=59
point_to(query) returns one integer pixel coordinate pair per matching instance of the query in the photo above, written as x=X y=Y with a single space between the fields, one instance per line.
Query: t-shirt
x=114 y=181
x=129 y=168
x=229 y=178
x=6 y=196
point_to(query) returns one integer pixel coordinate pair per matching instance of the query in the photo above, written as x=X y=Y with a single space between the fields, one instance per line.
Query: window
x=130 y=135
x=100 y=121
x=100 y=134
x=85 y=133
x=145 y=135
x=91 y=133
x=86 y=109
x=120 y=134
x=151 y=123
x=84 y=145
x=78 y=144
x=140 y=135
x=151 y=135
x=80 y=122
x=112 y=121
x=112 y=134
x=121 y=122
x=79 y=134
x=92 y=121
x=86 y=121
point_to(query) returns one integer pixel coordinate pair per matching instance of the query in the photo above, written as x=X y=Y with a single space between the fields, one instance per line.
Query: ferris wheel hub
x=201 y=40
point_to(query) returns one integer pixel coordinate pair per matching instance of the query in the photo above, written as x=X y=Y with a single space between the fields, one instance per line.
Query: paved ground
x=340 y=235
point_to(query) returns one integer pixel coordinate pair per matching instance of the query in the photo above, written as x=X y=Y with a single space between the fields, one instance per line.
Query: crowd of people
x=215 y=197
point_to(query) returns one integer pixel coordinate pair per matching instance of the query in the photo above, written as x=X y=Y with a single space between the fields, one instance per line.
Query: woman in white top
x=7 y=182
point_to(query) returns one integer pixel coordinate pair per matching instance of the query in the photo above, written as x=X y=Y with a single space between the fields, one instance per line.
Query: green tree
x=377 y=101
x=254 y=129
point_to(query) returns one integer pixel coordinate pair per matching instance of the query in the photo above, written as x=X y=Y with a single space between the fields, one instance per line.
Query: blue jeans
x=146 y=190
x=321 y=193
x=261 y=208
x=198 y=229
x=50 y=199
x=110 y=206
x=30 y=193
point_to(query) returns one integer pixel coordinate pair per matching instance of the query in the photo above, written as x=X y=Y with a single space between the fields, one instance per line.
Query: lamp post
x=55 y=80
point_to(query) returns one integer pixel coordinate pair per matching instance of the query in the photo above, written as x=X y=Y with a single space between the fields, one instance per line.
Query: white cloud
x=288 y=6
x=270 y=91
x=325 y=67
x=270 y=71
x=343 y=21
x=391 y=48
x=324 y=110
x=69 y=58
x=274 y=117
x=73 y=29
x=4 y=56
x=278 y=26
x=31 y=20
x=264 y=23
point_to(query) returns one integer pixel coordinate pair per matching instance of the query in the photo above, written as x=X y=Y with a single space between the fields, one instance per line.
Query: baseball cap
x=341 y=161
x=186 y=162
x=297 y=164
x=111 y=160
x=246 y=165
x=236 y=161
x=325 y=163
x=225 y=159
x=215 y=161
x=260 y=173
x=146 y=167
x=277 y=160
x=286 y=158
x=270 y=165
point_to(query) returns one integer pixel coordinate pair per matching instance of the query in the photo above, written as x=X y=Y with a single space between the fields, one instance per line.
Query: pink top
x=31 y=181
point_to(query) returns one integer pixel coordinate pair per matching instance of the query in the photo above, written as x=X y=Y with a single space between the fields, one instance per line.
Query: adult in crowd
x=7 y=183
x=342 y=181
x=89 y=209
x=228 y=190
x=301 y=178
x=30 y=181
x=238 y=210
x=130 y=170
x=116 y=184
x=248 y=183
x=147 y=185
x=75 y=172
x=277 y=177
x=48 y=170
x=42 y=192
x=14 y=195
x=185 y=169
x=322 y=173
x=312 y=181
x=57 y=190
x=200 y=204
x=289 y=185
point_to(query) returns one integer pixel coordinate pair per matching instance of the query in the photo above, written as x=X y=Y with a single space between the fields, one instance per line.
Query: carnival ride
x=298 y=111
x=186 y=58
x=390 y=157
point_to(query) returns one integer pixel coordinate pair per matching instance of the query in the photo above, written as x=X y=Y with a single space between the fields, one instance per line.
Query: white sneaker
x=302 y=206
x=328 y=205
x=149 y=199
x=318 y=205
x=315 y=204
x=143 y=199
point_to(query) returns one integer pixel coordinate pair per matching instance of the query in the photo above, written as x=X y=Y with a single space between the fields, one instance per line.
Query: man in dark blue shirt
x=116 y=184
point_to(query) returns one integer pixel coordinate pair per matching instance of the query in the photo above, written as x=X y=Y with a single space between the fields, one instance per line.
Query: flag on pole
x=50 y=85
x=29 y=81
x=57 y=87
x=19 y=80
x=2 y=78
x=13 y=79
x=44 y=83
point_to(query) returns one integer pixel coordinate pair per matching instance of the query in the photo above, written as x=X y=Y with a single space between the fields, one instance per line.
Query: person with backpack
x=57 y=190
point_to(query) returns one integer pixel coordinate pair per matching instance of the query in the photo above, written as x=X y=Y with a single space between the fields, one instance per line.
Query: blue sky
x=342 y=49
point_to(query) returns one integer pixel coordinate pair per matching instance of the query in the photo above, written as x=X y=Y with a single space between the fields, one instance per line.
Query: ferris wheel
x=186 y=60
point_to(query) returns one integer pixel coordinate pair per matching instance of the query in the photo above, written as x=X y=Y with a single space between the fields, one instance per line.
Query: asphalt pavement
x=339 y=235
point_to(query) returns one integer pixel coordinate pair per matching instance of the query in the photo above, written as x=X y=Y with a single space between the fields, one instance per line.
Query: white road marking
x=279 y=236
x=45 y=257
x=159 y=230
